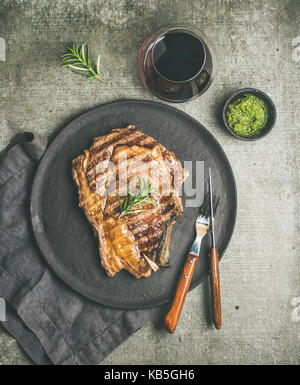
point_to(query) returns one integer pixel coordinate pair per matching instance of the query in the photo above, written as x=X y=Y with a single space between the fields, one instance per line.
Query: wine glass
x=177 y=63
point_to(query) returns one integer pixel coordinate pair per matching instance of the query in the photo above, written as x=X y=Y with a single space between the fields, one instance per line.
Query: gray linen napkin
x=51 y=322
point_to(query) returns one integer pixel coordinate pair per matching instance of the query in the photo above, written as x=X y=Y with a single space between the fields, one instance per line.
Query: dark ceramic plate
x=64 y=234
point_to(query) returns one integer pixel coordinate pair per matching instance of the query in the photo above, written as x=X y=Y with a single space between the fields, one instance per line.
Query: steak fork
x=202 y=225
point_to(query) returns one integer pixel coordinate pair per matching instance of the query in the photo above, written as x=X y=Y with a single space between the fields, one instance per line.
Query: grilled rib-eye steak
x=138 y=241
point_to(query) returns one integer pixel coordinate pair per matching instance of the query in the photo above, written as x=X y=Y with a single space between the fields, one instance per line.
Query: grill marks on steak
x=134 y=241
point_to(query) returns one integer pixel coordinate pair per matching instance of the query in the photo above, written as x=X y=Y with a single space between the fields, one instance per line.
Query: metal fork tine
x=216 y=202
x=202 y=208
x=206 y=208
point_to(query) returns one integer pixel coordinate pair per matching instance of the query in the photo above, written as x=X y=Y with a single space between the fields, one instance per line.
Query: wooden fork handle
x=215 y=288
x=173 y=315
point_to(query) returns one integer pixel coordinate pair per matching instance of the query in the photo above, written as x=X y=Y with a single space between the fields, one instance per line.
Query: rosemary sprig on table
x=78 y=59
x=131 y=200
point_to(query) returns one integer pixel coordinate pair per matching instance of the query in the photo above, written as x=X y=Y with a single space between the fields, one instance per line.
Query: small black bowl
x=271 y=112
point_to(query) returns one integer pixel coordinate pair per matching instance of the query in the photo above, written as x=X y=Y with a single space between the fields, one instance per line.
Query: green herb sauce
x=247 y=116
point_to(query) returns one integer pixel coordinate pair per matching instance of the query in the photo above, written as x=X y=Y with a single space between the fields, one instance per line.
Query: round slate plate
x=64 y=235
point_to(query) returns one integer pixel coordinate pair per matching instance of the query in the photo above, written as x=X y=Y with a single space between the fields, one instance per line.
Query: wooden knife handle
x=173 y=315
x=215 y=288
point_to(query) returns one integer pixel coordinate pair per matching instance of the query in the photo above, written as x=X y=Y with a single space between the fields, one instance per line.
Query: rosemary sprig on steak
x=142 y=195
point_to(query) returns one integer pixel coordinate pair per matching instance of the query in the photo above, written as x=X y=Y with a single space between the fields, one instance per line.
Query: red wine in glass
x=176 y=64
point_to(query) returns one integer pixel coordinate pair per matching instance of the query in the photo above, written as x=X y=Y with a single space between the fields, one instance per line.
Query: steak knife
x=214 y=265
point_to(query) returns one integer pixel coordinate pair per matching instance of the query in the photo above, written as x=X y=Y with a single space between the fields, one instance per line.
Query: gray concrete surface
x=253 y=39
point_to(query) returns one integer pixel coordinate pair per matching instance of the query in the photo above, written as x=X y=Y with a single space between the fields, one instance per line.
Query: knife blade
x=212 y=217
